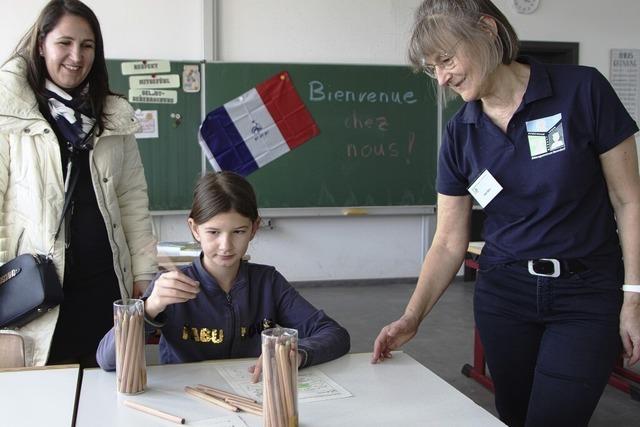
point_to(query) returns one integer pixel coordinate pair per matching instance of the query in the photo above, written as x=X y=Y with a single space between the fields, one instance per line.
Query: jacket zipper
x=233 y=326
x=45 y=138
x=119 y=272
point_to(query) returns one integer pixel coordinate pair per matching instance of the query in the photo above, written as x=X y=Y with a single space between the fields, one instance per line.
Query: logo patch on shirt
x=203 y=335
x=546 y=136
x=256 y=328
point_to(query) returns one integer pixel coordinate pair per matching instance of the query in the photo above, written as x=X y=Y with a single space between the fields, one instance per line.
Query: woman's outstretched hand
x=393 y=336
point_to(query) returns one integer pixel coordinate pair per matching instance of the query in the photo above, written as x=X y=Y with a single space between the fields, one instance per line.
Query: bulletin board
x=172 y=159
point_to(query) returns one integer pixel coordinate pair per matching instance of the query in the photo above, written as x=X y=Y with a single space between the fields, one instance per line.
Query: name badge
x=485 y=188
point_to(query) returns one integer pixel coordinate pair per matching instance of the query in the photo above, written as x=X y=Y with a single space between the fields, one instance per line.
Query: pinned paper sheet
x=154 y=81
x=145 y=67
x=148 y=120
x=191 y=78
x=151 y=96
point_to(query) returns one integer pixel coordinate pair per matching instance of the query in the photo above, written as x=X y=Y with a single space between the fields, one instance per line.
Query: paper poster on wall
x=151 y=96
x=148 y=120
x=145 y=67
x=625 y=78
x=191 y=78
x=153 y=81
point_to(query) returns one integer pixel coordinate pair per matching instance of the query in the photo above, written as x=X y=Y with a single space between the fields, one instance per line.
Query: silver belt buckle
x=554 y=262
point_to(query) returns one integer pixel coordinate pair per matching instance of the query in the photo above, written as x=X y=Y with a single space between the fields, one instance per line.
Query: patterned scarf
x=73 y=116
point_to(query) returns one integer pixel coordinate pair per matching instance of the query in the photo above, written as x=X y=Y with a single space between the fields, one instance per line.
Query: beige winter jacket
x=32 y=194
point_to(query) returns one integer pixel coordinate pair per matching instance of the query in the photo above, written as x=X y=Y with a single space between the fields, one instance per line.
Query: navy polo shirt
x=554 y=202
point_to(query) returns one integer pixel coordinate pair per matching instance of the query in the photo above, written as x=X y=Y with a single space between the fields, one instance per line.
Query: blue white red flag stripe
x=257 y=127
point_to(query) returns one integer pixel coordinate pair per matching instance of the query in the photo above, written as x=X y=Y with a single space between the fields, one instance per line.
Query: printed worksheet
x=313 y=384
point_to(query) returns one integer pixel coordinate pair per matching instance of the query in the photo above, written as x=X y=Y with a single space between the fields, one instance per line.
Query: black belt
x=550 y=267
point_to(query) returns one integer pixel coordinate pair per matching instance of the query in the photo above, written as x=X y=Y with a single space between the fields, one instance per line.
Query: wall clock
x=524 y=6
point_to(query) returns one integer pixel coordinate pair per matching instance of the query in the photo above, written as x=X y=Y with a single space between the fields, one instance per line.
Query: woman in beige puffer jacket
x=32 y=194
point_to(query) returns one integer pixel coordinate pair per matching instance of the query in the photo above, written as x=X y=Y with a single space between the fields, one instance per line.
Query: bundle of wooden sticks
x=225 y=399
x=131 y=370
x=280 y=377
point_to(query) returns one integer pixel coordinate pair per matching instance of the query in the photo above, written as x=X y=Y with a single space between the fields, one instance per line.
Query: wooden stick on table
x=253 y=408
x=194 y=392
x=222 y=394
x=243 y=403
x=151 y=411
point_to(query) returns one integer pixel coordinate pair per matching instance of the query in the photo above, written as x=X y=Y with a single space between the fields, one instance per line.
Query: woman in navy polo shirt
x=549 y=152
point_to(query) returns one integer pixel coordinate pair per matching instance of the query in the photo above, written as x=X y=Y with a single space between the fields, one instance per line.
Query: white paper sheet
x=313 y=384
x=230 y=421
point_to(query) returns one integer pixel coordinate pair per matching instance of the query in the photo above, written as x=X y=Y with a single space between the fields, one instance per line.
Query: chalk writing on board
x=372 y=150
x=318 y=93
x=382 y=149
x=358 y=121
x=325 y=198
x=410 y=145
x=373 y=124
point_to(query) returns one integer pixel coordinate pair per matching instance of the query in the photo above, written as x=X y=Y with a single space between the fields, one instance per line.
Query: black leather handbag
x=29 y=284
x=29 y=287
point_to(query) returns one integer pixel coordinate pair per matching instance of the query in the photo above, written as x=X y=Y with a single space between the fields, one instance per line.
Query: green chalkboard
x=172 y=161
x=377 y=144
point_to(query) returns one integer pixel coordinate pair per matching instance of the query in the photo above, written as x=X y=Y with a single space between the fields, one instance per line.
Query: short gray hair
x=440 y=24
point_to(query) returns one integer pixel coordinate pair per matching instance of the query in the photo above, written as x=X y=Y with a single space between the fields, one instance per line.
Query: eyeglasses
x=447 y=62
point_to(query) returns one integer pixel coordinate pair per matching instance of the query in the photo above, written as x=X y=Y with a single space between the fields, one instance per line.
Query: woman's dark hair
x=29 y=49
x=220 y=192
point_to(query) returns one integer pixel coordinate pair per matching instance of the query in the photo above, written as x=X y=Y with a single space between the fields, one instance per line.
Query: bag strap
x=69 y=185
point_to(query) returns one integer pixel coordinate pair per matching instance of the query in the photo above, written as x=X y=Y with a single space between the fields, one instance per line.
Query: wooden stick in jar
x=268 y=397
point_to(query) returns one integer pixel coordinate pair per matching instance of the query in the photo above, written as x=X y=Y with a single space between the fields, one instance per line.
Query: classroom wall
x=329 y=31
x=375 y=32
x=162 y=29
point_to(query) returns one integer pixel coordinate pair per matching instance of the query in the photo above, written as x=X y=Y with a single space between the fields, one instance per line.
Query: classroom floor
x=444 y=342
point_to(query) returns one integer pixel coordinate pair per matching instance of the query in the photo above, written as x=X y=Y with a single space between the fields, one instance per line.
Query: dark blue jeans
x=550 y=344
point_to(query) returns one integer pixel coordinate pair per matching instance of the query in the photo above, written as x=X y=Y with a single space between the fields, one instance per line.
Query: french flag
x=257 y=127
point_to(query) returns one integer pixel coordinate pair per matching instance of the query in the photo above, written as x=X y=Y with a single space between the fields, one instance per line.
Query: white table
x=38 y=396
x=398 y=392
